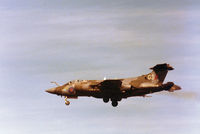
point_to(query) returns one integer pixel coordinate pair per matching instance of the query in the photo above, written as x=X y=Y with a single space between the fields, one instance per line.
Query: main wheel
x=114 y=103
x=119 y=99
x=105 y=100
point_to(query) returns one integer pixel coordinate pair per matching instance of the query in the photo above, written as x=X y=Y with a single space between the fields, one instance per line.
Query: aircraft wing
x=110 y=85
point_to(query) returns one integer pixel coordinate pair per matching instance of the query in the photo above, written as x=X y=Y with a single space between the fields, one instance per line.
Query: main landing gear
x=106 y=100
x=114 y=101
x=66 y=101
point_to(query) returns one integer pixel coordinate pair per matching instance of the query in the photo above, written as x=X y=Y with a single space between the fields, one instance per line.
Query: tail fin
x=160 y=71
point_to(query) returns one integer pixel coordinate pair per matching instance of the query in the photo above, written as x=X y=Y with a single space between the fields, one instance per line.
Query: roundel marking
x=71 y=89
x=149 y=77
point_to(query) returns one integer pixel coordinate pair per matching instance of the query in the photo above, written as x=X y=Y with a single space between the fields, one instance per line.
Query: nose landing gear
x=66 y=101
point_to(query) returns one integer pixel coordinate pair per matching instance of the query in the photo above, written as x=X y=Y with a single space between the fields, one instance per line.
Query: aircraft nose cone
x=51 y=90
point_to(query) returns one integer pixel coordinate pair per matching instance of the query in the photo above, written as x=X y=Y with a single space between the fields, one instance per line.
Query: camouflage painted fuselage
x=117 y=89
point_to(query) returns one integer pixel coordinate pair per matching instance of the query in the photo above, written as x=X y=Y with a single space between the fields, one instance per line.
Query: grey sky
x=43 y=41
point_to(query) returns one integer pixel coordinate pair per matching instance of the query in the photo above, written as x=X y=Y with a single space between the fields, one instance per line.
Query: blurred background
x=46 y=40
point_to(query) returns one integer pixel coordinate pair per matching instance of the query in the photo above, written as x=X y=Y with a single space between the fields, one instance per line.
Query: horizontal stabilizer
x=174 y=87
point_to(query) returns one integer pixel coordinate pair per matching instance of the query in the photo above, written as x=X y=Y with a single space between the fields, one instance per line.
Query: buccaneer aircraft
x=117 y=89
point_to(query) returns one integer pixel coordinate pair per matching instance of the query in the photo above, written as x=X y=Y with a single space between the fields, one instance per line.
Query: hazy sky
x=46 y=40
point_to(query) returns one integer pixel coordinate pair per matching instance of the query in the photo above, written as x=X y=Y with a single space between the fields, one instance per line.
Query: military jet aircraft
x=118 y=89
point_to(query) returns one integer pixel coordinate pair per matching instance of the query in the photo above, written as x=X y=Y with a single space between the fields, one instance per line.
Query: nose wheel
x=66 y=101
